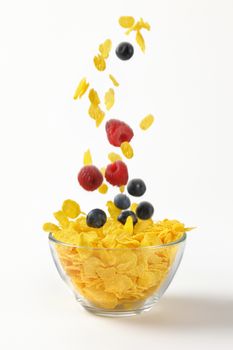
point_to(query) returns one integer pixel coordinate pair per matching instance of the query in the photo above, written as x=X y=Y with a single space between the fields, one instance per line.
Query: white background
x=185 y=80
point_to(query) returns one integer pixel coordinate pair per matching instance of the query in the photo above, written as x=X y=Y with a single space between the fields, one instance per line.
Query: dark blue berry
x=144 y=210
x=124 y=51
x=121 y=201
x=96 y=218
x=136 y=187
x=123 y=216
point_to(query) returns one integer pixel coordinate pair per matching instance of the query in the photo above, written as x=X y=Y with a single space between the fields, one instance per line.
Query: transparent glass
x=119 y=281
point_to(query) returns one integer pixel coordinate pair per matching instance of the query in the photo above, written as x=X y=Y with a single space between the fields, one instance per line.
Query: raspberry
x=117 y=173
x=118 y=132
x=90 y=178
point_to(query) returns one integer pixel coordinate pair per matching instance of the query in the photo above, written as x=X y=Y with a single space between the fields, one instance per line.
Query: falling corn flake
x=126 y=21
x=49 y=227
x=105 y=48
x=93 y=97
x=99 y=62
x=113 y=157
x=100 y=117
x=128 y=226
x=140 y=40
x=87 y=159
x=81 y=89
x=96 y=113
x=109 y=99
x=103 y=189
x=122 y=188
x=127 y=150
x=113 y=79
x=71 y=209
x=147 y=122
x=138 y=26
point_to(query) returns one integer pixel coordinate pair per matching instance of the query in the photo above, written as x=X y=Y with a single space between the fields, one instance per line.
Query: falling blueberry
x=96 y=218
x=121 y=201
x=124 y=51
x=136 y=187
x=144 y=210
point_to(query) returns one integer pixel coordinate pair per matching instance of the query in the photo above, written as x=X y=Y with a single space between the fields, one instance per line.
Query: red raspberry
x=90 y=178
x=118 y=132
x=117 y=173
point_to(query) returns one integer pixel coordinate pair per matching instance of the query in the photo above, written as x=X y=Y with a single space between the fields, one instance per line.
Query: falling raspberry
x=118 y=132
x=117 y=173
x=90 y=178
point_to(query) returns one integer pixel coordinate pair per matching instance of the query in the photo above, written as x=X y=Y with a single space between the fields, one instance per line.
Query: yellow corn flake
x=87 y=158
x=140 y=40
x=113 y=157
x=143 y=25
x=122 y=188
x=61 y=218
x=96 y=113
x=109 y=99
x=127 y=150
x=100 y=117
x=93 y=97
x=81 y=89
x=99 y=62
x=103 y=189
x=49 y=227
x=105 y=48
x=126 y=21
x=128 y=226
x=71 y=209
x=147 y=122
x=138 y=26
x=133 y=207
x=115 y=82
x=112 y=209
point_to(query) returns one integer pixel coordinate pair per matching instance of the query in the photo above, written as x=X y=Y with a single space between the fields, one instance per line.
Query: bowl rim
x=159 y=246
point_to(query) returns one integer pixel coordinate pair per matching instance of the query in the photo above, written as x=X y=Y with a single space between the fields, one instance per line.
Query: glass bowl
x=119 y=281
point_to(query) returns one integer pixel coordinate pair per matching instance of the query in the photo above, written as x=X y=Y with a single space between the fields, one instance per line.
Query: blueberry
x=124 y=214
x=124 y=51
x=96 y=218
x=121 y=201
x=136 y=187
x=144 y=210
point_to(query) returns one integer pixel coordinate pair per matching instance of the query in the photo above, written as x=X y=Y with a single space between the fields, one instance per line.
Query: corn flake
x=115 y=82
x=127 y=150
x=81 y=89
x=99 y=62
x=105 y=48
x=93 y=97
x=103 y=189
x=49 y=227
x=109 y=99
x=140 y=40
x=147 y=122
x=87 y=158
x=126 y=21
x=61 y=218
x=71 y=209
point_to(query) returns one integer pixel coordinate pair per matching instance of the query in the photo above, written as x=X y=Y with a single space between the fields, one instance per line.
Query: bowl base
x=116 y=313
